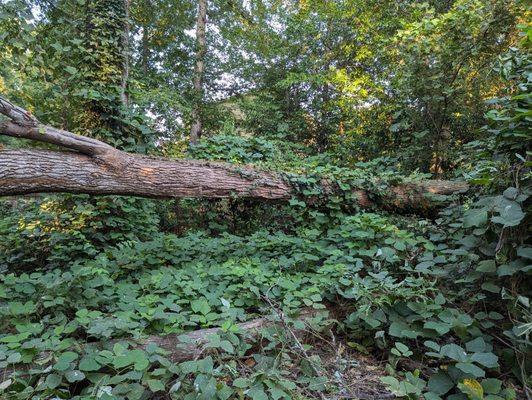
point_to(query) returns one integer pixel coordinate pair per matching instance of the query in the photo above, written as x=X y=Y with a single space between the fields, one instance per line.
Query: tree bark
x=40 y=171
x=194 y=345
x=145 y=50
x=97 y=168
x=124 y=95
x=195 y=130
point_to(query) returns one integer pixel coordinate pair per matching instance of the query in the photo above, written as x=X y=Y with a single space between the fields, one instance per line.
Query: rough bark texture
x=39 y=171
x=48 y=134
x=25 y=126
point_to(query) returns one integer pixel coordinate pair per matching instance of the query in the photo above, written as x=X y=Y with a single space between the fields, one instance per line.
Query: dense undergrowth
x=387 y=282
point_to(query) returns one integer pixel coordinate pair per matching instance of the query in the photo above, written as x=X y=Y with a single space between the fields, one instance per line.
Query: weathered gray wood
x=24 y=125
x=194 y=345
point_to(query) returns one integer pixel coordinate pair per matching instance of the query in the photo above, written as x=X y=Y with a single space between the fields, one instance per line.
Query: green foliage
x=172 y=284
x=53 y=231
x=486 y=241
x=242 y=150
x=448 y=74
x=322 y=87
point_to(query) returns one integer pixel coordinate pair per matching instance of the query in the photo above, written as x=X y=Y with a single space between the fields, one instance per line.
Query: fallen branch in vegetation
x=96 y=168
x=195 y=345
x=192 y=345
x=188 y=346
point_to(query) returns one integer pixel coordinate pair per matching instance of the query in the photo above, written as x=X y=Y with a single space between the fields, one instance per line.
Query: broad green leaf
x=88 y=363
x=277 y=393
x=476 y=345
x=431 y=396
x=472 y=389
x=175 y=387
x=52 y=381
x=257 y=393
x=511 y=193
x=454 y=352
x=15 y=338
x=440 y=383
x=241 y=383
x=510 y=214
x=525 y=251
x=487 y=266
x=74 y=376
x=155 y=385
x=489 y=360
x=5 y=384
x=491 y=385
x=491 y=287
x=14 y=358
x=472 y=369
x=440 y=327
x=200 y=306
x=227 y=346
x=475 y=217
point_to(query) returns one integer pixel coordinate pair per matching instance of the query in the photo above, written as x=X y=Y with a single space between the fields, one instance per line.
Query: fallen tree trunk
x=193 y=345
x=96 y=168
x=181 y=347
x=40 y=171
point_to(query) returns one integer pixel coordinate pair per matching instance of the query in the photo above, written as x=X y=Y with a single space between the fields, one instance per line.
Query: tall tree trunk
x=322 y=139
x=201 y=49
x=106 y=67
x=124 y=96
x=144 y=52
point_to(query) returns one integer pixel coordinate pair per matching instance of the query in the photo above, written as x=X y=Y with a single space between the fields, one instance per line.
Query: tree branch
x=25 y=126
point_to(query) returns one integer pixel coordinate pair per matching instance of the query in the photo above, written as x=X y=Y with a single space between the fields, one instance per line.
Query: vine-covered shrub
x=53 y=231
x=387 y=280
x=485 y=256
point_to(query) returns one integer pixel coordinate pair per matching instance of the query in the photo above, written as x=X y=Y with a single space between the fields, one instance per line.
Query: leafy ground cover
x=380 y=283
x=425 y=308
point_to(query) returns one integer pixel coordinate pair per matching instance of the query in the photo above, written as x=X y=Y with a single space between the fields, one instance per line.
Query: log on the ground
x=93 y=167
x=39 y=171
x=185 y=346
x=193 y=345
